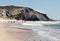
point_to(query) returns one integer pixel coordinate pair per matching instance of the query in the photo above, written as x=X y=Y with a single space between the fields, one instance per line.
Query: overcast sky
x=49 y=7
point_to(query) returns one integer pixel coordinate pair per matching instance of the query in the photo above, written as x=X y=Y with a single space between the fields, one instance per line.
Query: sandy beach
x=14 y=34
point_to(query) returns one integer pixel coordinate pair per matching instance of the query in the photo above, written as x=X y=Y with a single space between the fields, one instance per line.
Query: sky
x=49 y=7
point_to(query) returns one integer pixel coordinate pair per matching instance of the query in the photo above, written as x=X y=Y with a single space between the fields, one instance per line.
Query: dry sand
x=14 y=34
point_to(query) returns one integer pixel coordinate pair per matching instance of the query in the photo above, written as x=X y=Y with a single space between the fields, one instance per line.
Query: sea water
x=46 y=30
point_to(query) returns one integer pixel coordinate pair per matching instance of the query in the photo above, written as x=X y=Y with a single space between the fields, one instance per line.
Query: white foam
x=40 y=23
x=53 y=34
x=38 y=27
x=45 y=34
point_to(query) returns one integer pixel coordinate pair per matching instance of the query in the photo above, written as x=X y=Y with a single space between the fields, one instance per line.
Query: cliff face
x=22 y=13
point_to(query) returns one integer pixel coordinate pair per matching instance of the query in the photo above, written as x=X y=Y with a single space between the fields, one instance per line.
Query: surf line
x=46 y=35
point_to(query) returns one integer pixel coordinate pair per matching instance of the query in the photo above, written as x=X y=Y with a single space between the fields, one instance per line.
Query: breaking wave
x=42 y=23
x=47 y=30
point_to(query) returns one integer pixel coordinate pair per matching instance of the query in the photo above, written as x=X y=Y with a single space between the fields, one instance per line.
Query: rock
x=23 y=13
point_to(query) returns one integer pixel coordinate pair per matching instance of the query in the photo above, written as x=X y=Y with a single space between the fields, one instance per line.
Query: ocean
x=46 y=30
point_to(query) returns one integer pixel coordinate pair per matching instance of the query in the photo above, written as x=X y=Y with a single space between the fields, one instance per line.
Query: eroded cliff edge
x=22 y=13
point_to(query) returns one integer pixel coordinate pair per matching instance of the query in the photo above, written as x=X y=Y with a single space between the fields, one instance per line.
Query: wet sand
x=14 y=34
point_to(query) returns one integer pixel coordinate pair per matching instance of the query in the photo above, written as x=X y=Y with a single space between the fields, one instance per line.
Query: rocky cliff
x=22 y=13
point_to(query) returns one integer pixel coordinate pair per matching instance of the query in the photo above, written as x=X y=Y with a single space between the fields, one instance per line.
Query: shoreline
x=23 y=33
x=15 y=34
